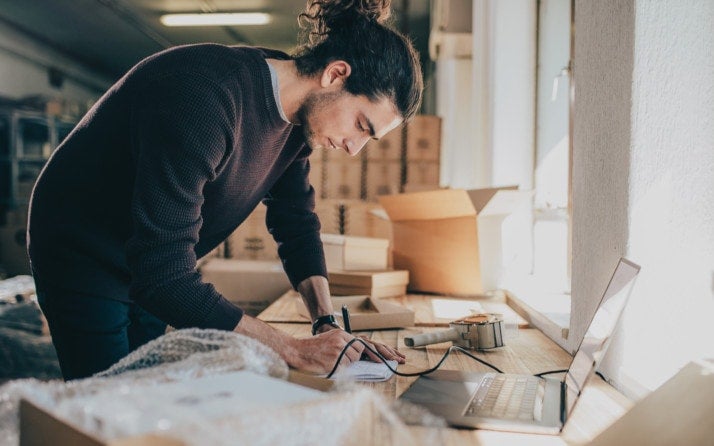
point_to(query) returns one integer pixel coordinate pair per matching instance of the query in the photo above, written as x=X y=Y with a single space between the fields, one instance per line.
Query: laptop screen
x=597 y=338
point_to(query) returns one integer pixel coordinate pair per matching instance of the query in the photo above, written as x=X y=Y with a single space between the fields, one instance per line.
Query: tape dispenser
x=477 y=332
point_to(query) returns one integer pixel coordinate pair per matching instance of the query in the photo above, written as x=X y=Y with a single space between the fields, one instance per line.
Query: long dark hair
x=384 y=62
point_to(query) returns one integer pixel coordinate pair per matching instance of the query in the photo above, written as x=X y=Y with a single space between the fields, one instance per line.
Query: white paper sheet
x=369 y=371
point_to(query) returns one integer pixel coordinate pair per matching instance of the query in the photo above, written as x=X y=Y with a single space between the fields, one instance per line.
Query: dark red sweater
x=160 y=171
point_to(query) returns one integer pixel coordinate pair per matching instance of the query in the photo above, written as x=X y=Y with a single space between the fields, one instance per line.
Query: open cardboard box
x=435 y=235
x=369 y=314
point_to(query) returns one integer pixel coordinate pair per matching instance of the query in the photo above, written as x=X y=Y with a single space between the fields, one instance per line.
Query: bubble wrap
x=353 y=415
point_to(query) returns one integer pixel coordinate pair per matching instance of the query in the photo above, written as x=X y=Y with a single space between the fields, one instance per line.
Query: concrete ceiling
x=110 y=36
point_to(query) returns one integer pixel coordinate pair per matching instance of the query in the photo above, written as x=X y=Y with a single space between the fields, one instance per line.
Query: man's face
x=341 y=121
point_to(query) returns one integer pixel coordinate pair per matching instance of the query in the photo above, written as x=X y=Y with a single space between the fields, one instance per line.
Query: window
x=552 y=142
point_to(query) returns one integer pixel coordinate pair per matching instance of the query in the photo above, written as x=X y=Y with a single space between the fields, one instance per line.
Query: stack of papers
x=369 y=371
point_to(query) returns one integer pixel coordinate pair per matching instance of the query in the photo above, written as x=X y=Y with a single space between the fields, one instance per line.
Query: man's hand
x=316 y=354
x=384 y=350
x=319 y=353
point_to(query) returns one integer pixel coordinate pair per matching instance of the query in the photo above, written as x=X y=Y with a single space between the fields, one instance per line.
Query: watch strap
x=322 y=320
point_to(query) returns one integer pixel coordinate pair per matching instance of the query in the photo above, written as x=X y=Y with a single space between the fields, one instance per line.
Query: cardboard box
x=424 y=138
x=349 y=253
x=363 y=220
x=435 y=237
x=249 y=284
x=367 y=313
x=416 y=187
x=383 y=178
x=372 y=283
x=251 y=240
x=424 y=173
x=352 y=217
x=316 y=178
x=343 y=179
x=387 y=148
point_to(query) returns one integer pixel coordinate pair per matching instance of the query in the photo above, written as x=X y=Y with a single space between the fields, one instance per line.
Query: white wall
x=23 y=71
x=643 y=180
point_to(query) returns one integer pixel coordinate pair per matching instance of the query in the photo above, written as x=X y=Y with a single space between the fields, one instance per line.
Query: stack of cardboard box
x=361 y=265
x=423 y=152
x=406 y=158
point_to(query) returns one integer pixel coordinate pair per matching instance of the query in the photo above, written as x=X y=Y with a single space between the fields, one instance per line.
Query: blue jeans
x=91 y=333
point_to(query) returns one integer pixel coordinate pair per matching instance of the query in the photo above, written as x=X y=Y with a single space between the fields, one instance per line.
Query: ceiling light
x=216 y=19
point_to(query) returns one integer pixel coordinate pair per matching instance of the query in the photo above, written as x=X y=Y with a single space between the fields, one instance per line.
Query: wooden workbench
x=528 y=352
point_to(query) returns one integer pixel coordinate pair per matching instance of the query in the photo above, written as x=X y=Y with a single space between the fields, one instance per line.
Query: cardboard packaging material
x=249 y=284
x=372 y=283
x=251 y=240
x=349 y=253
x=332 y=214
x=383 y=178
x=416 y=187
x=387 y=148
x=424 y=173
x=316 y=177
x=367 y=313
x=435 y=237
x=343 y=178
x=352 y=217
x=424 y=138
x=364 y=221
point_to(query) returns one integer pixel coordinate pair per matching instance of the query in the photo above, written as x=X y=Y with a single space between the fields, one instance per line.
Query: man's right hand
x=316 y=354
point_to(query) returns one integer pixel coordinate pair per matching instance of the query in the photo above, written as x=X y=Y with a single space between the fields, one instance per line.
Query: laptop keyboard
x=506 y=397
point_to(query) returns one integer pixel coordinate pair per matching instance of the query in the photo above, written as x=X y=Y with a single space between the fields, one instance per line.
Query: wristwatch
x=322 y=320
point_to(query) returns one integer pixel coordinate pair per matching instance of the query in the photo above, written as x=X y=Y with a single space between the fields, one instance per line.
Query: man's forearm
x=281 y=342
x=315 y=293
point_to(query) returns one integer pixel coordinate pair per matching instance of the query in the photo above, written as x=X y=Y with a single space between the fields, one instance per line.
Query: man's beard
x=308 y=110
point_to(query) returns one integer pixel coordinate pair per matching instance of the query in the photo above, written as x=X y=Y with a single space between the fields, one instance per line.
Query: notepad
x=369 y=371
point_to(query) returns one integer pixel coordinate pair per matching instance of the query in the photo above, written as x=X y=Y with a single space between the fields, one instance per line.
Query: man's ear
x=335 y=73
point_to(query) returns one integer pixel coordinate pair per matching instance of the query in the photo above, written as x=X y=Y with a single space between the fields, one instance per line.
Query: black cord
x=539 y=375
x=425 y=372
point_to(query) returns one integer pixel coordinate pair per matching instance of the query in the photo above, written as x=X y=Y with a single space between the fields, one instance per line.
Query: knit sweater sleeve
x=181 y=132
x=293 y=223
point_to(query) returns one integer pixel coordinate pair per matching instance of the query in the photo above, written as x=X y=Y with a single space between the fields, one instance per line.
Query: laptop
x=525 y=403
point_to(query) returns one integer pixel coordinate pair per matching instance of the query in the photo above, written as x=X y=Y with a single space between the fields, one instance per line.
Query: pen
x=346 y=318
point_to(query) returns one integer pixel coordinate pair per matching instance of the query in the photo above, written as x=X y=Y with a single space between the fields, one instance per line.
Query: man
x=178 y=153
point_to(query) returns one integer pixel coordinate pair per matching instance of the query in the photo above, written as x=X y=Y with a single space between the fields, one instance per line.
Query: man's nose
x=354 y=146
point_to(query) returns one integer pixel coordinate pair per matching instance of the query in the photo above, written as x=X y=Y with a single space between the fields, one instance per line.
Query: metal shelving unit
x=27 y=139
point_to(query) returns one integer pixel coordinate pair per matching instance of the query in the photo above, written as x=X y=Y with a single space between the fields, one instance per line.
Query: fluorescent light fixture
x=216 y=19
